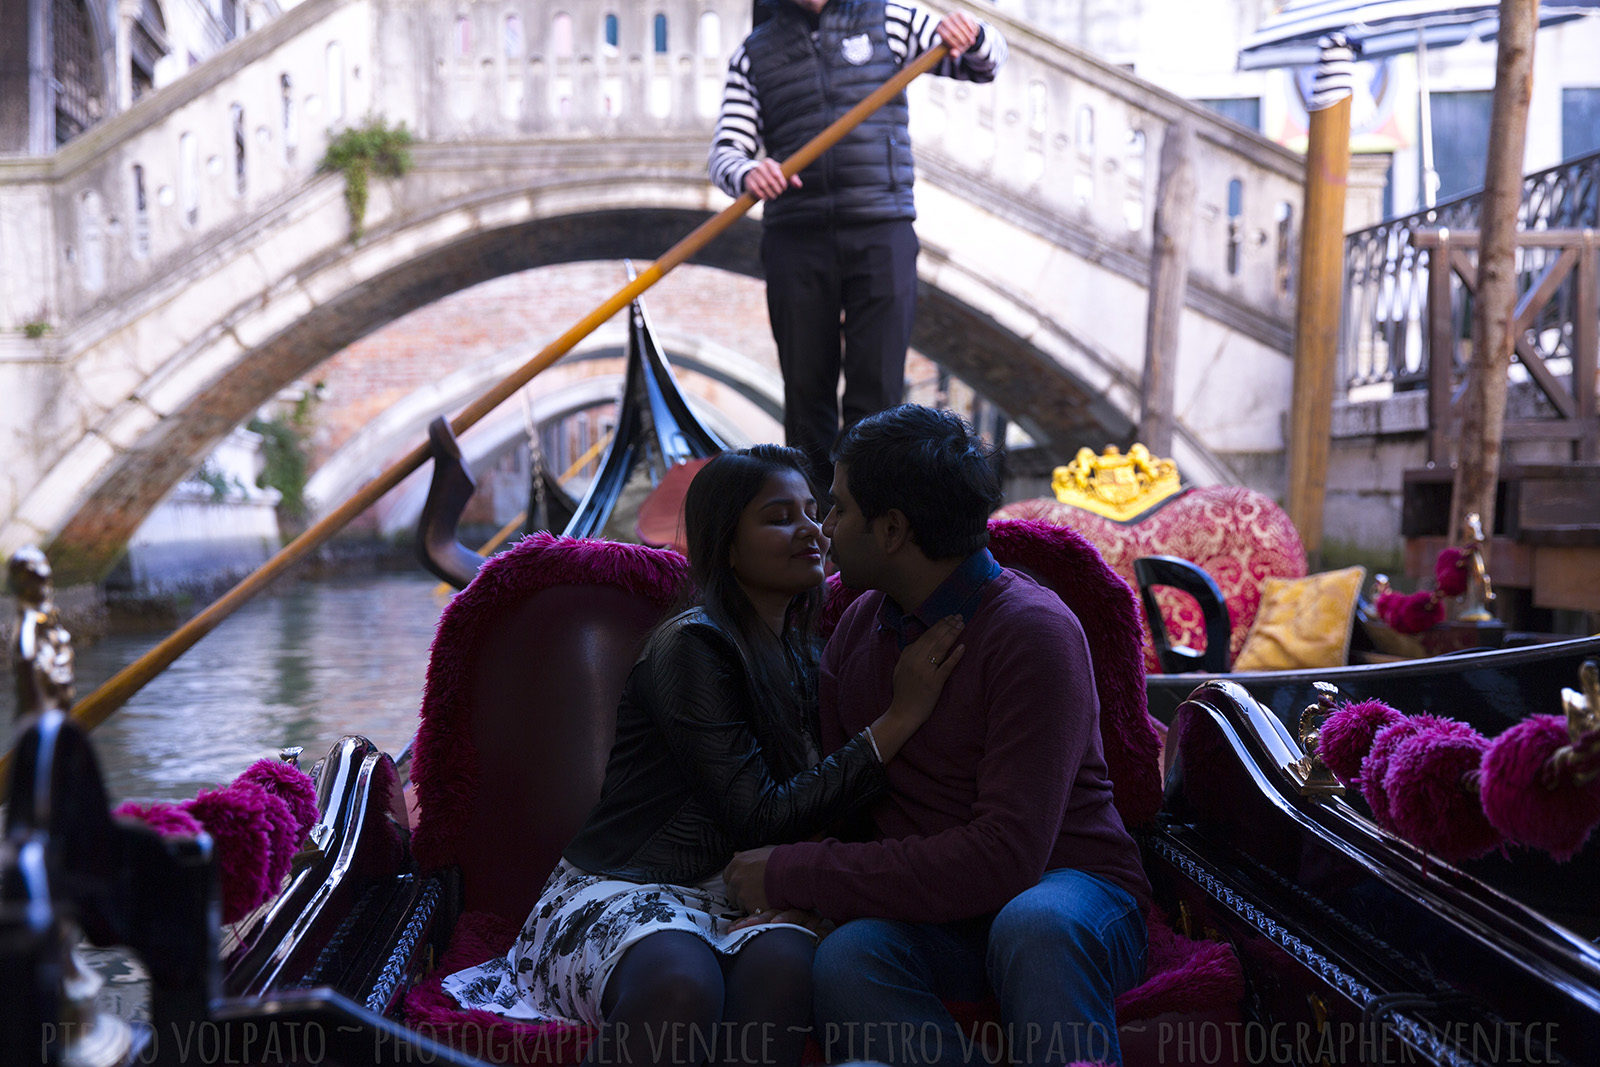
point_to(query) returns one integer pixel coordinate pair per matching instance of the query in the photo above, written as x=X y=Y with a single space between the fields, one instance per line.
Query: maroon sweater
x=1006 y=781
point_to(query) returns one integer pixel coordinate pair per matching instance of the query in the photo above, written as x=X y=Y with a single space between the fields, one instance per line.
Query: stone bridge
x=189 y=259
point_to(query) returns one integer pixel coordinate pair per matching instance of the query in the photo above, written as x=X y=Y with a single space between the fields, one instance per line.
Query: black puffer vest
x=805 y=82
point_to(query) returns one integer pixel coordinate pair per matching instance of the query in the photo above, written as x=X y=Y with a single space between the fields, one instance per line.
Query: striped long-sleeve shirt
x=737 y=143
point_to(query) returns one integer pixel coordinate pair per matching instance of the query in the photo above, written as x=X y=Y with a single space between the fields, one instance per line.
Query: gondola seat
x=1238 y=536
x=518 y=717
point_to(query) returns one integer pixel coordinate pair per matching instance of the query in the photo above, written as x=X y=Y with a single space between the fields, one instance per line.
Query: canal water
x=302 y=664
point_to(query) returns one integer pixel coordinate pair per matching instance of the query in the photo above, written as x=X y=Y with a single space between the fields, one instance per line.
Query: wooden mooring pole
x=1483 y=404
x=1171 y=227
x=1319 y=290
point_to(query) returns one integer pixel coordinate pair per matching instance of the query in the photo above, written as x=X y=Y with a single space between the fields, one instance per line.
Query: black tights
x=671 y=999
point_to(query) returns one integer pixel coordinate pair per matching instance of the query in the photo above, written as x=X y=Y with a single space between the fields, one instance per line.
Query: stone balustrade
x=1062 y=137
x=187 y=258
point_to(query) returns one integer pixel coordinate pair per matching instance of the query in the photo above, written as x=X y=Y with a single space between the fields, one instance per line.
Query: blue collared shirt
x=958 y=594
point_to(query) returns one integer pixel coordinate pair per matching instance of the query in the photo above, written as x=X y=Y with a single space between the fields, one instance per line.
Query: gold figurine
x=44 y=659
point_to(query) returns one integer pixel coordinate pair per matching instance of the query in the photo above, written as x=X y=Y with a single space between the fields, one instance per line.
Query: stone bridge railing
x=1063 y=143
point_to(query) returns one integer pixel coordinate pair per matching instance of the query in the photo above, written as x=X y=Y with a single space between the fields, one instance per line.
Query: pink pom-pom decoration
x=1450 y=571
x=1347 y=736
x=1522 y=801
x=283 y=834
x=168 y=820
x=289 y=784
x=1376 y=764
x=238 y=820
x=1410 y=613
x=1432 y=802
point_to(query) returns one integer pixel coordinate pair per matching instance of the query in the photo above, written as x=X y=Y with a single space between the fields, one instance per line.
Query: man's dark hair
x=933 y=467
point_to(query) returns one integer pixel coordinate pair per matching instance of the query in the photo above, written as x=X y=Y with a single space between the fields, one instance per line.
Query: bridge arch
x=421 y=246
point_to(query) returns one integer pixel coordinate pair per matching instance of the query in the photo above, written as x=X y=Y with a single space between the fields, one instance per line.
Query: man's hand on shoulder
x=746 y=877
x=765 y=180
x=959 y=30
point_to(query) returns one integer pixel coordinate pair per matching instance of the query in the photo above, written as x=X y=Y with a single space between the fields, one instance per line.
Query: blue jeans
x=1056 y=957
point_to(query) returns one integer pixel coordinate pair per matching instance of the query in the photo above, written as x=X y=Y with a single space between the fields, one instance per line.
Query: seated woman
x=715 y=751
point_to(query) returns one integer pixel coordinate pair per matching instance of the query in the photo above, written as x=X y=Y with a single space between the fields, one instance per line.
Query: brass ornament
x=1116 y=486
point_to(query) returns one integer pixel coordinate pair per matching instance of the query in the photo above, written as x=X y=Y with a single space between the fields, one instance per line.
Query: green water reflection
x=302 y=665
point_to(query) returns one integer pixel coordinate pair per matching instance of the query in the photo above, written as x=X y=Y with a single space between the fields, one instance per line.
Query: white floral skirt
x=558 y=967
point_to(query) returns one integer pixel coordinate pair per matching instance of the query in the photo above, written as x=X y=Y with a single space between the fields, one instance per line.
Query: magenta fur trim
x=290 y=785
x=168 y=820
x=1432 y=802
x=444 y=761
x=238 y=820
x=1521 y=803
x=1376 y=764
x=1182 y=975
x=1063 y=560
x=1347 y=736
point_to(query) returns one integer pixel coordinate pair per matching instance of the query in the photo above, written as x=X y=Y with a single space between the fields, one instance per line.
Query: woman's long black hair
x=713 y=505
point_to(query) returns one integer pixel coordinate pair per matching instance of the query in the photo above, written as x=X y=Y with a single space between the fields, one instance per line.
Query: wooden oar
x=99 y=705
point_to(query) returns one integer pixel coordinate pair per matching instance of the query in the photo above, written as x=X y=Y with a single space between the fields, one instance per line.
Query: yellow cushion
x=1302 y=622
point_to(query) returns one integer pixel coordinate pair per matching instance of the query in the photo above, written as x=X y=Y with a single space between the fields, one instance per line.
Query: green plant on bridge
x=286 y=456
x=358 y=153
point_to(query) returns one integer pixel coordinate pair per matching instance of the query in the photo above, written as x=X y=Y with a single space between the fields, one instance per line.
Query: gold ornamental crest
x=1116 y=486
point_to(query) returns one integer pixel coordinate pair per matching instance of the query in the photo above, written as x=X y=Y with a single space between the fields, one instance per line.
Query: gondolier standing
x=837 y=240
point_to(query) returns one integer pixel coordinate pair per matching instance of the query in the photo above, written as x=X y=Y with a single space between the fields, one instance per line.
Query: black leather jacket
x=694 y=774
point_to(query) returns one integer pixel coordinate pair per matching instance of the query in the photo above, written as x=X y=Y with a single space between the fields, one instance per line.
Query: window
x=1460 y=140
x=1245 y=110
x=1580 y=122
x=660 y=24
x=80 y=94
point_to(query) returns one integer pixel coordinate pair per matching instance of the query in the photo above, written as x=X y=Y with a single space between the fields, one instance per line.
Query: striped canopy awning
x=1381 y=28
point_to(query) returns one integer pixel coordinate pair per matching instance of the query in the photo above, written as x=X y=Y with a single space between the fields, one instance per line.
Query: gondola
x=655 y=427
x=1291 y=928
x=1319 y=936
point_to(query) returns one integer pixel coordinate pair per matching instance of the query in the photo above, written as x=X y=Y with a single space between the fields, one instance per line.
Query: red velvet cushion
x=1239 y=536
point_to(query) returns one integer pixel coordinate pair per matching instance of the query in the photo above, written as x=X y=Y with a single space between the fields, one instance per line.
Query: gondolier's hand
x=765 y=180
x=746 y=877
x=794 y=916
x=959 y=30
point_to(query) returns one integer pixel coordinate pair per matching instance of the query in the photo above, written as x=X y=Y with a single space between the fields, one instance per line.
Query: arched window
x=91 y=236
x=189 y=178
x=660 y=24
x=335 y=91
x=236 y=114
x=561 y=35
x=1235 y=223
x=290 y=117
x=612 y=34
x=514 y=43
x=80 y=88
x=141 y=215
x=710 y=33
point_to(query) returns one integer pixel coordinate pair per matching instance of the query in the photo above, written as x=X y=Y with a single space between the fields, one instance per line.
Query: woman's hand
x=925 y=665
x=808 y=919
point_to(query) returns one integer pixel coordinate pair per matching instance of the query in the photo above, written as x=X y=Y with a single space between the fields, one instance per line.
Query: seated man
x=997 y=861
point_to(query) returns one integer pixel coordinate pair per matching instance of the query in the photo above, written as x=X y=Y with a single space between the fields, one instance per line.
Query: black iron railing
x=1383 y=342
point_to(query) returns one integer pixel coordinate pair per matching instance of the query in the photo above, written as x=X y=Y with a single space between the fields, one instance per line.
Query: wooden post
x=1169 y=278
x=1319 y=291
x=1483 y=406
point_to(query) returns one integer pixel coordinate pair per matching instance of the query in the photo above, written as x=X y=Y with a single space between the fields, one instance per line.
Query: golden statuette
x=1312 y=775
x=1116 y=486
x=1479 y=594
x=43 y=652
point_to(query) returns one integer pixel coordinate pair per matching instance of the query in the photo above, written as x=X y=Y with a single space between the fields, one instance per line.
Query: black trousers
x=837 y=296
